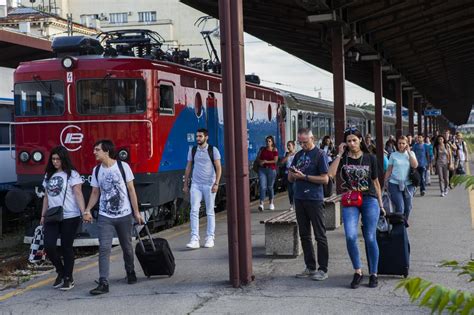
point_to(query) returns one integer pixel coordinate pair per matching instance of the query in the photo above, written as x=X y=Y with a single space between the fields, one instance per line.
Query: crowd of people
x=409 y=163
x=305 y=172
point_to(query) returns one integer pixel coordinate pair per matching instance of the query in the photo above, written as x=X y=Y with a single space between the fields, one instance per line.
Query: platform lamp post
x=235 y=140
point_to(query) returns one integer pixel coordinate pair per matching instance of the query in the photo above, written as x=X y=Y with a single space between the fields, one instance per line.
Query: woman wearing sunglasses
x=358 y=170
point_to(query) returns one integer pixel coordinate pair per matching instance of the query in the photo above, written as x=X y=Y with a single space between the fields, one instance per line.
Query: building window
x=148 y=16
x=118 y=18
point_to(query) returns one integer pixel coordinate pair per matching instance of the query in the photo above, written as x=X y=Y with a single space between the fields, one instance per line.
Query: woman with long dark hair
x=268 y=159
x=328 y=147
x=442 y=162
x=397 y=177
x=359 y=172
x=63 y=187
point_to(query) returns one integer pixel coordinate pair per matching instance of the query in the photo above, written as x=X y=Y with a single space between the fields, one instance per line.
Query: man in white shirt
x=205 y=162
x=113 y=181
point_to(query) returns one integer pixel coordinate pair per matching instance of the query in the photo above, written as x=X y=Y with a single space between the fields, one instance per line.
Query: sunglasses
x=351 y=129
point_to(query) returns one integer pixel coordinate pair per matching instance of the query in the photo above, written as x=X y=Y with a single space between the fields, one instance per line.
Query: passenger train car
x=150 y=104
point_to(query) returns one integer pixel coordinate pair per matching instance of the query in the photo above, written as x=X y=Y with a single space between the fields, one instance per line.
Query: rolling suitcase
x=154 y=255
x=394 y=247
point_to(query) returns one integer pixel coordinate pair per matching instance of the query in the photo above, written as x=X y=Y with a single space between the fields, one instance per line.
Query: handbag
x=256 y=162
x=352 y=198
x=460 y=170
x=328 y=189
x=56 y=214
x=414 y=177
x=37 y=253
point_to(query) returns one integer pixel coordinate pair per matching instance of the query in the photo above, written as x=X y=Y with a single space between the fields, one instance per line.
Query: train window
x=166 y=99
x=39 y=98
x=111 y=96
x=300 y=120
x=251 y=110
x=269 y=112
x=293 y=127
x=198 y=105
x=6 y=116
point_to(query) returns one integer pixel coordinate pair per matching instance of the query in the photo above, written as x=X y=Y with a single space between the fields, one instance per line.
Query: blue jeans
x=422 y=170
x=370 y=212
x=266 y=177
x=291 y=191
x=401 y=200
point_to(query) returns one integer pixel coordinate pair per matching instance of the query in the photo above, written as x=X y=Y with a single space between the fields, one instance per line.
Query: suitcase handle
x=149 y=236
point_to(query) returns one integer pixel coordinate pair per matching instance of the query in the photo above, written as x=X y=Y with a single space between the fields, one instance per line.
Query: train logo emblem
x=70 y=138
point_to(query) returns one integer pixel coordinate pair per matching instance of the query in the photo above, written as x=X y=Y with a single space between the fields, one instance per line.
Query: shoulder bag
x=256 y=162
x=55 y=214
x=414 y=176
x=352 y=198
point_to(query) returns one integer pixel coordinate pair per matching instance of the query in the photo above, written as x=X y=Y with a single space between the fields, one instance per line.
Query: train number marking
x=72 y=141
x=69 y=77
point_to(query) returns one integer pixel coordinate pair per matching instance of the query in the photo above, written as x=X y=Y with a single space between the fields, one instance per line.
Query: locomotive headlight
x=68 y=63
x=24 y=156
x=37 y=156
x=123 y=155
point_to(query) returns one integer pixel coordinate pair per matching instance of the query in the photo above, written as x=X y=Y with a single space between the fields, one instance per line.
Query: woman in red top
x=268 y=159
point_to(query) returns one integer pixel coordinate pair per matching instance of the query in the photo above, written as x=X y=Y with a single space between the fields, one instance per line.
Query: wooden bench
x=281 y=231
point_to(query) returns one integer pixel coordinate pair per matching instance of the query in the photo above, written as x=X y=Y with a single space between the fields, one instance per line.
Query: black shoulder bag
x=414 y=176
x=56 y=214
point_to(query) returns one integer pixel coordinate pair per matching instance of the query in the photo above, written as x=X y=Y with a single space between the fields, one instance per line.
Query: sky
x=279 y=69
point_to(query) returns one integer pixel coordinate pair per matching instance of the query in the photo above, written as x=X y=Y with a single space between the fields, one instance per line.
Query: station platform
x=440 y=229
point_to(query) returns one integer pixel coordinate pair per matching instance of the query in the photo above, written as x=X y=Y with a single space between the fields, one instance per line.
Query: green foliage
x=467 y=180
x=439 y=298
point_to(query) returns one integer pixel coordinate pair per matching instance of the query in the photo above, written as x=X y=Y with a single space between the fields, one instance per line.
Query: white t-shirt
x=55 y=188
x=114 y=202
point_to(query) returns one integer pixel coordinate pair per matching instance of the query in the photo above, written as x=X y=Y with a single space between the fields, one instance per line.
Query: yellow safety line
x=49 y=280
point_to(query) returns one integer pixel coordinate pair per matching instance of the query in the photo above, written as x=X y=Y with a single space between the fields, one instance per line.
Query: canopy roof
x=16 y=47
x=429 y=42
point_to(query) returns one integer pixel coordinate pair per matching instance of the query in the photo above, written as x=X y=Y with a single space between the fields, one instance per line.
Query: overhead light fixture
x=387 y=68
x=353 y=55
x=394 y=76
x=321 y=18
x=408 y=88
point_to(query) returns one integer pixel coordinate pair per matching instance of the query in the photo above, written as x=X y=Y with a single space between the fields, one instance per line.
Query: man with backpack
x=205 y=162
x=112 y=180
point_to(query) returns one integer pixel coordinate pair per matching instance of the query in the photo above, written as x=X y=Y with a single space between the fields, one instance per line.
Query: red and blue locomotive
x=149 y=102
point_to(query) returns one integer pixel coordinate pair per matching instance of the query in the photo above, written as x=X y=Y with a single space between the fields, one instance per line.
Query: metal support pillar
x=425 y=126
x=235 y=140
x=430 y=125
x=337 y=38
x=398 y=110
x=420 y=120
x=338 y=77
x=377 y=69
x=411 y=104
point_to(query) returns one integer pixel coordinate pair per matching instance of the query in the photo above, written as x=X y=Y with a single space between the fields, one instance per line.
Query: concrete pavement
x=440 y=228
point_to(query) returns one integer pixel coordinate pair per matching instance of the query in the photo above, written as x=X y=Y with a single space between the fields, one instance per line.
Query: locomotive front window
x=111 y=96
x=39 y=98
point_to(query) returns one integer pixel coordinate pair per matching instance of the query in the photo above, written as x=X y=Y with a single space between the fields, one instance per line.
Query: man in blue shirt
x=422 y=156
x=309 y=172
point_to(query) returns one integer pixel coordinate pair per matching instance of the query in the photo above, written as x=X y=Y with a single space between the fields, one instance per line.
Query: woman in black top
x=358 y=170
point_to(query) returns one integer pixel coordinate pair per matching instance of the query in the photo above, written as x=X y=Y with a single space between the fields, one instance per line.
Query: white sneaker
x=260 y=207
x=271 y=207
x=291 y=208
x=209 y=242
x=193 y=244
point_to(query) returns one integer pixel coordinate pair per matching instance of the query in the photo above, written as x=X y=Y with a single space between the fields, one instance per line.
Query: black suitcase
x=394 y=249
x=154 y=255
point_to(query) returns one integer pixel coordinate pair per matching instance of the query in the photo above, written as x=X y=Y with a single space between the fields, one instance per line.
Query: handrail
x=150 y=124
